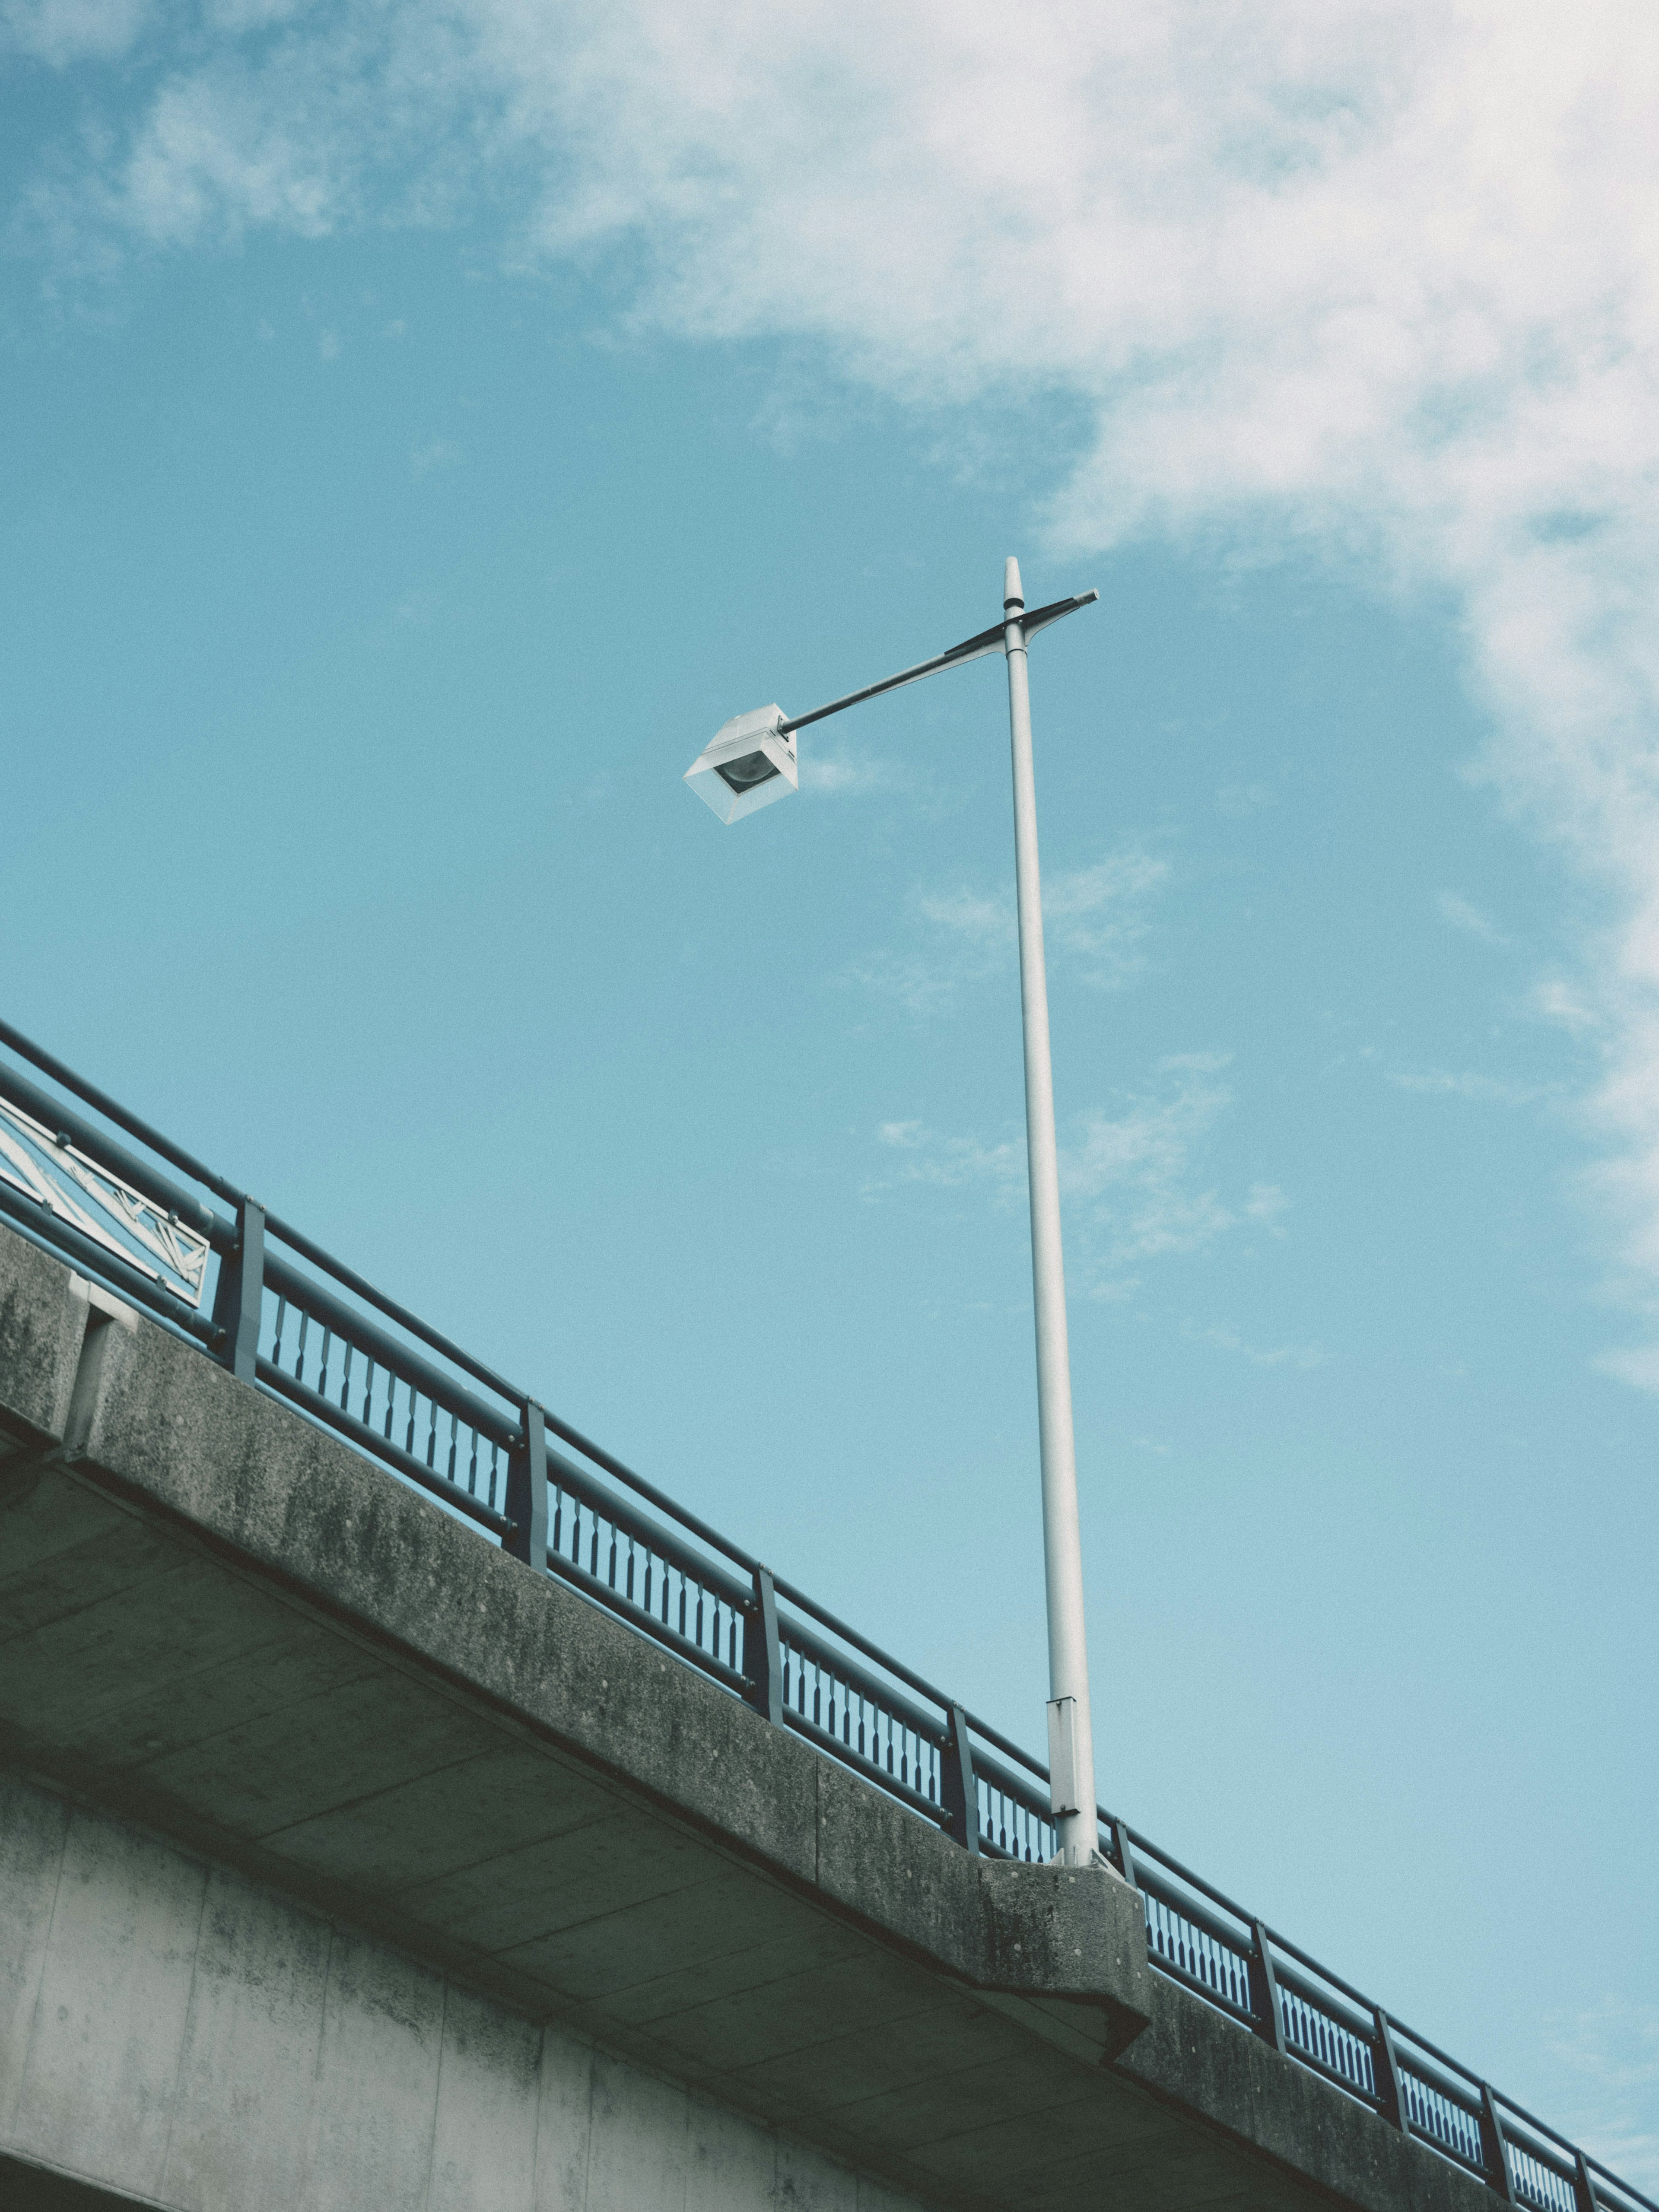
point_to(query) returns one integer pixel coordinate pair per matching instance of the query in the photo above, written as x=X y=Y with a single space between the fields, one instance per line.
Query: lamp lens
x=746 y=772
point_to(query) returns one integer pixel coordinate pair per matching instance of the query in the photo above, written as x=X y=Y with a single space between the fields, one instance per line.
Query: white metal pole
x=1070 y=1736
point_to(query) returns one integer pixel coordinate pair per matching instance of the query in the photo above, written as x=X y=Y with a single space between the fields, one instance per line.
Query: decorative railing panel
x=1538 y=2182
x=336 y=1364
x=167 y=1233
x=1012 y=1823
x=1219 y=1967
x=615 y=1557
x=1446 y=2121
x=1316 y=2033
x=50 y=1170
x=865 y=1724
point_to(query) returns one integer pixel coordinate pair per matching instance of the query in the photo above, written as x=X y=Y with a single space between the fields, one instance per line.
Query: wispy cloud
x=1095 y=924
x=59 y=32
x=1138 y=1173
x=1463 y=914
x=1441 y=1083
x=1611 y=2052
x=845 y=772
x=434 y=453
x=1240 y=800
x=1133 y=1181
x=1279 y=1355
x=947 y=1163
x=1098 y=916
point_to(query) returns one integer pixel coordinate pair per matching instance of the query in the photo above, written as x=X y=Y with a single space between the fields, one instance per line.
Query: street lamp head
x=749 y=762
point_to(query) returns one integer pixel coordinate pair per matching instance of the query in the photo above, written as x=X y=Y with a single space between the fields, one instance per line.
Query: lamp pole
x=1071 y=1735
x=752 y=761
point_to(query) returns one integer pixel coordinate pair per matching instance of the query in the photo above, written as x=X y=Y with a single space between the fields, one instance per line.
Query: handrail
x=407 y=1379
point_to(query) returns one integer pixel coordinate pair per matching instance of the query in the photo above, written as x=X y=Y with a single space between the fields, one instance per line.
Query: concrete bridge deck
x=345 y=1860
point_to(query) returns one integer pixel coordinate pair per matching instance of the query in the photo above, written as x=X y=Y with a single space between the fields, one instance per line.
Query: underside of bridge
x=345 y=1860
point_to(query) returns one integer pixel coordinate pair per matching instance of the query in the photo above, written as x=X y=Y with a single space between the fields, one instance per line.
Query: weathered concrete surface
x=173 y=2033
x=219 y=1623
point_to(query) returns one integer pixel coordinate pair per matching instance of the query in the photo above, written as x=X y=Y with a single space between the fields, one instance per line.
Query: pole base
x=1072 y=1857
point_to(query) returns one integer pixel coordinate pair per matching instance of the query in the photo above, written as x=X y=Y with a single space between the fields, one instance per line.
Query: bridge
x=403 y=1803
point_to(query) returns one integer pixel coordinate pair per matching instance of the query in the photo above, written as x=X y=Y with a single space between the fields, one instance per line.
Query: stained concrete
x=171 y=2033
x=395 y=1774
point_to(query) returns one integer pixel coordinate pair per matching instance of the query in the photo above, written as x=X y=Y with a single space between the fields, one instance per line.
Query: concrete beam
x=173 y=2035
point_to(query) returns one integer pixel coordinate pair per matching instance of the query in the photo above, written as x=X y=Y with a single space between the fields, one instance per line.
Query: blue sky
x=423 y=426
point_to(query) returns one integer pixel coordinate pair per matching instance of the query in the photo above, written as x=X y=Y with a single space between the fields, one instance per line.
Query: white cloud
x=845 y=772
x=948 y=1163
x=436 y=453
x=1279 y=1355
x=1240 y=800
x=1095 y=923
x=1132 y=1181
x=1136 y=1171
x=1612 y=2052
x=1439 y=1083
x=1638 y=1367
x=59 y=32
x=1381 y=276
x=1463 y=914
x=1098 y=914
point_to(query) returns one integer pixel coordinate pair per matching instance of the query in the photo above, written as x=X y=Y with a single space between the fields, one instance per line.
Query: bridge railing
x=257 y=1295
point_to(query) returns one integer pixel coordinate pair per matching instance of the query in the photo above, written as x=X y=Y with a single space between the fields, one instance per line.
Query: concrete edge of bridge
x=92 y=1390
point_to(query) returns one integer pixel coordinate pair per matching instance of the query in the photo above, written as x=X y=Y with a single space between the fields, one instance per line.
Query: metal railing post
x=239 y=1295
x=1583 y=2189
x=527 y=1491
x=1494 y=2153
x=1385 y=2060
x=762 y=1654
x=1264 y=1989
x=1126 y=1853
x=958 y=1791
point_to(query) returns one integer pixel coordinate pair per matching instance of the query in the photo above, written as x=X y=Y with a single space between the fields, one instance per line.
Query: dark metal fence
x=259 y=1297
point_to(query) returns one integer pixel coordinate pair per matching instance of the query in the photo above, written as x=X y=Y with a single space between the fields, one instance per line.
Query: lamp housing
x=750 y=761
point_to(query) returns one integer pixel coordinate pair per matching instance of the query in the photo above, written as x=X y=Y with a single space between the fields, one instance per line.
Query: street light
x=749 y=763
x=752 y=761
